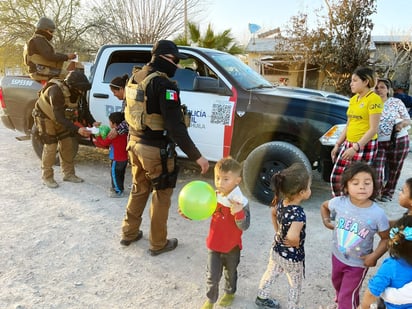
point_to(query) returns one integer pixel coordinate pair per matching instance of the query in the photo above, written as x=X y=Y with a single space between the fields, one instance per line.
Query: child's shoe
x=226 y=300
x=114 y=194
x=208 y=305
x=267 y=303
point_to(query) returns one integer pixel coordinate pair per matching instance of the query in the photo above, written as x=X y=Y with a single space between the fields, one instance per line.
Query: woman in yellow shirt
x=358 y=141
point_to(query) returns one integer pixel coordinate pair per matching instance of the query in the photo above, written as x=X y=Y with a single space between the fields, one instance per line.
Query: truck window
x=122 y=62
x=185 y=78
x=191 y=68
x=119 y=69
x=196 y=65
x=242 y=73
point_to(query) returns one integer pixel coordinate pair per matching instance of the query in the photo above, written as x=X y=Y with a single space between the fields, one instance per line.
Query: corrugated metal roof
x=390 y=38
x=264 y=45
x=269 y=45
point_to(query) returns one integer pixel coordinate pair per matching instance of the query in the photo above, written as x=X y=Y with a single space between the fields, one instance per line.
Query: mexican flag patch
x=171 y=95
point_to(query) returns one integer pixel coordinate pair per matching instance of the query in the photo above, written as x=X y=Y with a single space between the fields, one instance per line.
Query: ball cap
x=164 y=47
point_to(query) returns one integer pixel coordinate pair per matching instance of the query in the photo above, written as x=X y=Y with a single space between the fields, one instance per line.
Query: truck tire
x=327 y=167
x=263 y=162
x=38 y=145
x=326 y=164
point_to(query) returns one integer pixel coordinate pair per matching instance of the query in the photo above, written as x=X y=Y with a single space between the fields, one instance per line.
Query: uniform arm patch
x=171 y=95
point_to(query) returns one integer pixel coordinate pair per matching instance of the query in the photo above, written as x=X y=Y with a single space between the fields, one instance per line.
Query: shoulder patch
x=171 y=95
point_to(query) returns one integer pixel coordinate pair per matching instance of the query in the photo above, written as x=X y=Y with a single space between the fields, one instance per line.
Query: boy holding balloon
x=224 y=242
x=117 y=153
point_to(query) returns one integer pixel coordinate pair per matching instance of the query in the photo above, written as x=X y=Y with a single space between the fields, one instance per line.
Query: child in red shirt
x=224 y=242
x=117 y=155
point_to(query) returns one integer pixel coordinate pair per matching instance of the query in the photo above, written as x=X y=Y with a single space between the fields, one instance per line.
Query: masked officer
x=55 y=113
x=39 y=55
x=151 y=145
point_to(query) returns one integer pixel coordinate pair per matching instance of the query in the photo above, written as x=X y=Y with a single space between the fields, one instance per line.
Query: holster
x=187 y=115
x=166 y=179
x=39 y=120
x=46 y=138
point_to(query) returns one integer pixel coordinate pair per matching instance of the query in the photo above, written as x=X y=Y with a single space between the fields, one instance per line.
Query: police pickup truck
x=234 y=111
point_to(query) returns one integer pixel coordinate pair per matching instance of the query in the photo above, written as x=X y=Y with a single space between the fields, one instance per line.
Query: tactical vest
x=44 y=68
x=71 y=109
x=136 y=105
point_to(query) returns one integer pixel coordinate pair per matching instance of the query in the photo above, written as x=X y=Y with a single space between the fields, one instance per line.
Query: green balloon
x=103 y=131
x=197 y=200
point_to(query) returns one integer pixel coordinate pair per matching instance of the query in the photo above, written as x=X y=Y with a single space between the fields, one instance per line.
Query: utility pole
x=185 y=13
x=304 y=72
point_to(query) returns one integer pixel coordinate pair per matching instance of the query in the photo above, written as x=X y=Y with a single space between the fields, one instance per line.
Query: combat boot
x=50 y=183
x=72 y=178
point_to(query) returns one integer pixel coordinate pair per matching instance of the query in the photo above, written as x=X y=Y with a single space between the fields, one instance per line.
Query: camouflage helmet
x=77 y=80
x=45 y=23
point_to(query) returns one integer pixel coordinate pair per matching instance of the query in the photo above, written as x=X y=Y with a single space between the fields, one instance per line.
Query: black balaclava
x=44 y=33
x=164 y=66
x=75 y=94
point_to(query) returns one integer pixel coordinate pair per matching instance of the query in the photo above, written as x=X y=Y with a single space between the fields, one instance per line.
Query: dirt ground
x=60 y=247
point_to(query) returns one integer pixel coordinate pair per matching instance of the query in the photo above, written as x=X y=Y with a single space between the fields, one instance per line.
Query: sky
x=392 y=17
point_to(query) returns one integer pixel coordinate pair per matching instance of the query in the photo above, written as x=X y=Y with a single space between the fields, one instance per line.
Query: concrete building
x=390 y=56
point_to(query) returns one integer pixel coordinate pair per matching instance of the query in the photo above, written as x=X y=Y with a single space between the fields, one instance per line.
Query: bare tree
x=18 y=20
x=339 y=44
x=396 y=58
x=349 y=30
x=141 y=21
x=84 y=26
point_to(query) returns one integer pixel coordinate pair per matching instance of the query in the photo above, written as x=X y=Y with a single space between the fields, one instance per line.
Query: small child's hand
x=369 y=260
x=182 y=214
x=112 y=134
x=290 y=243
x=236 y=206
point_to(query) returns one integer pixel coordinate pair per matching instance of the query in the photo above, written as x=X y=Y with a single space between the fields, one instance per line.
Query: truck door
x=212 y=111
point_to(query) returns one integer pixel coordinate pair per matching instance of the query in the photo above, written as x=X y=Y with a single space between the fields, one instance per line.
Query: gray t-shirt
x=355 y=229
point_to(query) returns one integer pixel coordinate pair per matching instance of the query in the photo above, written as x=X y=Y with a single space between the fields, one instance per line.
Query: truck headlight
x=331 y=136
